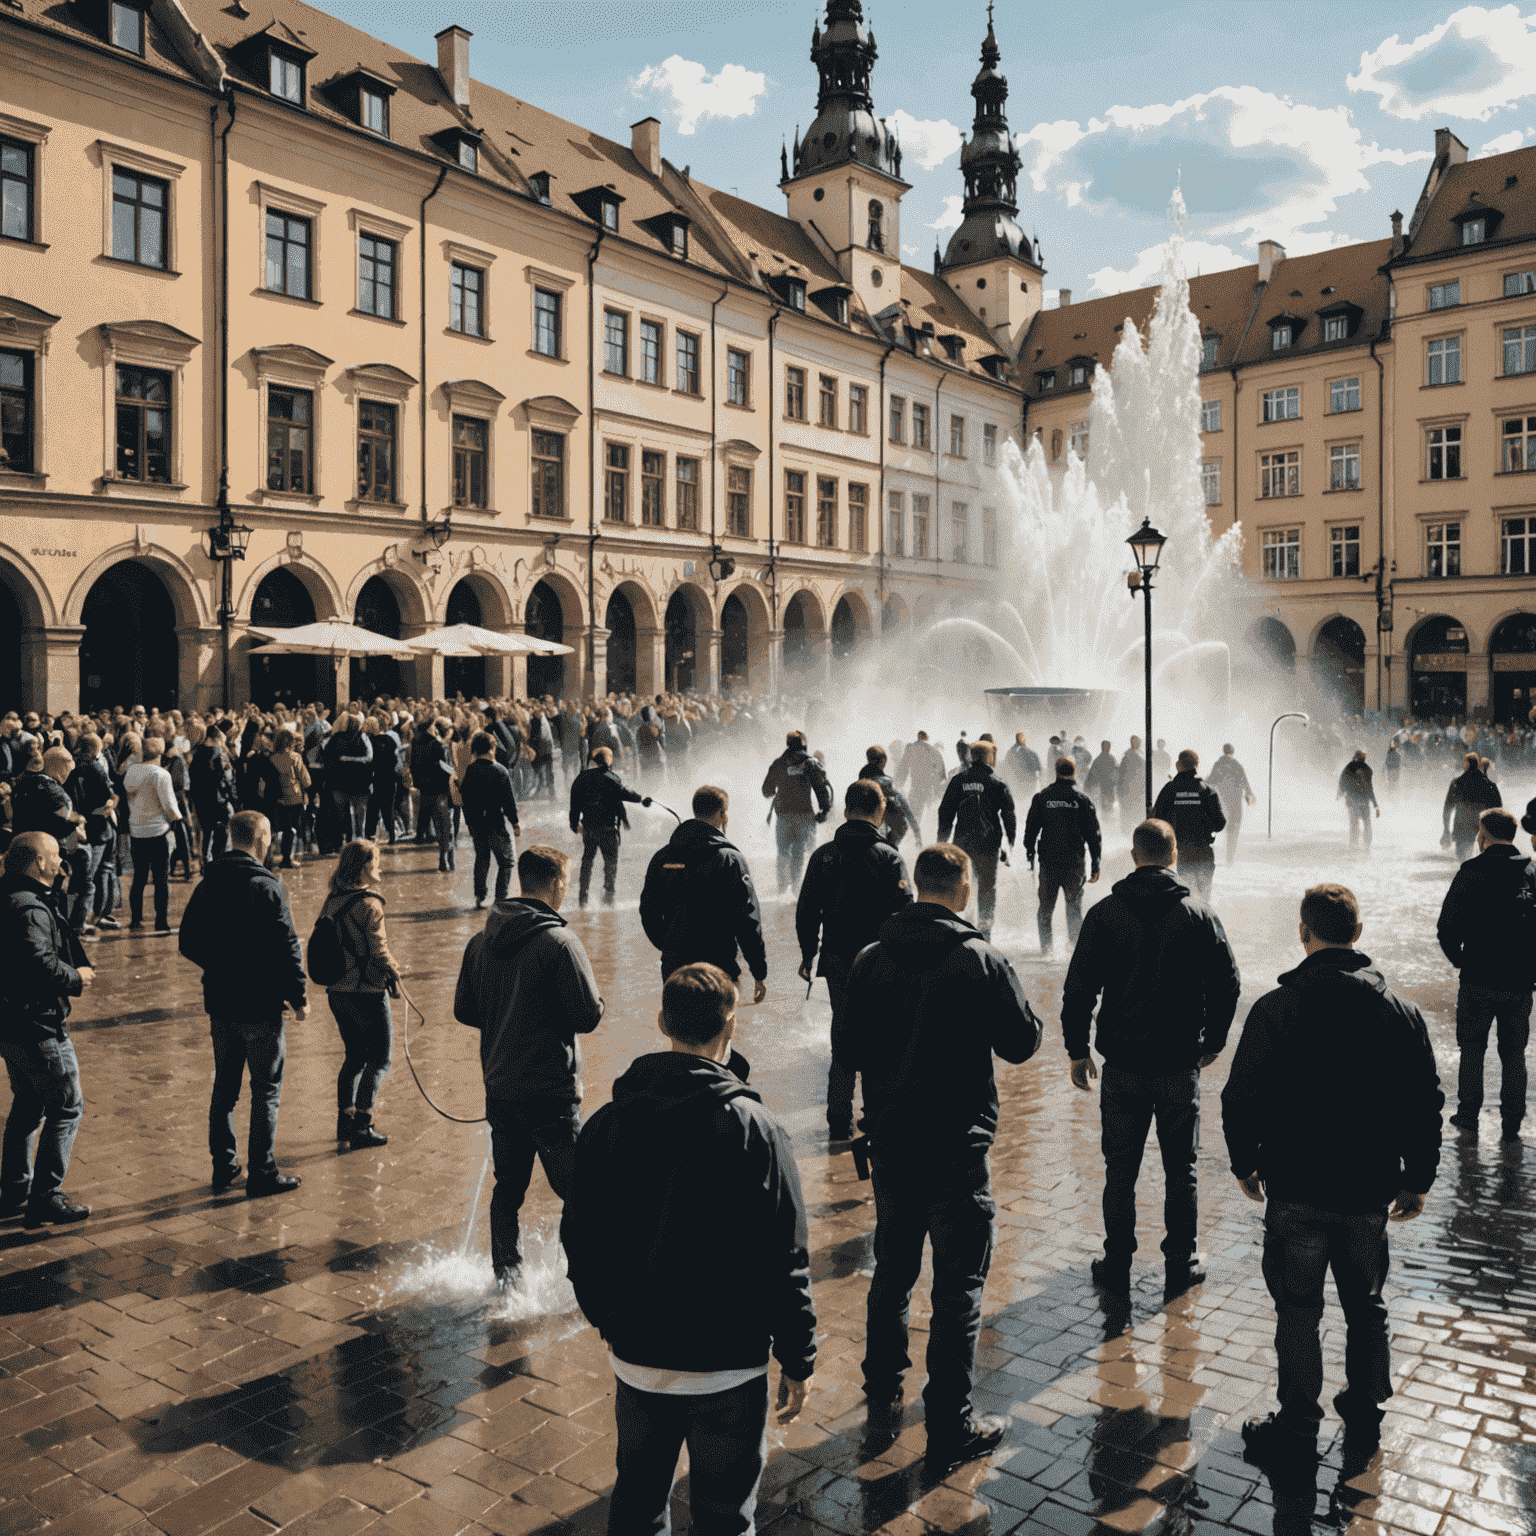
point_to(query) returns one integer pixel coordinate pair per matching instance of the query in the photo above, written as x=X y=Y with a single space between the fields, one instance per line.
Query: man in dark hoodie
x=1103 y=782
x=1488 y=932
x=1169 y=984
x=686 y=1236
x=926 y=1008
x=699 y=903
x=1332 y=1113
x=979 y=806
x=1357 y=790
x=489 y=805
x=900 y=818
x=1471 y=793
x=526 y=984
x=1193 y=809
x=598 y=798
x=801 y=795
x=1062 y=823
x=851 y=886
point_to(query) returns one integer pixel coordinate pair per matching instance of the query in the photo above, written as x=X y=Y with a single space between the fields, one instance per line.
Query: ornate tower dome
x=846 y=130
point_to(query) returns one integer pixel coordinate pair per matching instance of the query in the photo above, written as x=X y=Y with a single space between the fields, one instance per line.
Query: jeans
x=181 y=848
x=1477 y=1009
x=595 y=840
x=727 y=1438
x=95 y=854
x=108 y=888
x=953 y=1210
x=1301 y=1243
x=434 y=814
x=286 y=821
x=1067 y=879
x=1128 y=1103
x=381 y=808
x=795 y=833
x=984 y=866
x=522 y=1129
x=840 y=1080
x=367 y=1031
x=499 y=843
x=1197 y=868
x=351 y=814
x=151 y=856
x=45 y=1093
x=261 y=1046
x=1359 y=821
x=213 y=832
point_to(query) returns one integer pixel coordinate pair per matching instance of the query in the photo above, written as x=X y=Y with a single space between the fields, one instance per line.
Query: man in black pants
x=1471 y=793
x=598 y=798
x=1193 y=809
x=526 y=984
x=852 y=885
x=489 y=805
x=979 y=806
x=1169 y=984
x=927 y=1006
x=1332 y=1113
x=1063 y=822
x=1358 y=792
x=797 y=785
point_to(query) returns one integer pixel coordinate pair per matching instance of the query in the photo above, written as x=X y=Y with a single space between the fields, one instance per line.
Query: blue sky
x=1307 y=123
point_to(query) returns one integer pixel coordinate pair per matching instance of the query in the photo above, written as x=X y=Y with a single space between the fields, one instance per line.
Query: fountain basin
x=1033 y=710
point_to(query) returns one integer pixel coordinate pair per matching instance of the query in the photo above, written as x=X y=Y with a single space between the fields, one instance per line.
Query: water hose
x=405 y=1035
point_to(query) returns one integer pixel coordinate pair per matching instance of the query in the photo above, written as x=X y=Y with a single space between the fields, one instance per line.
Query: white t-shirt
x=669 y=1383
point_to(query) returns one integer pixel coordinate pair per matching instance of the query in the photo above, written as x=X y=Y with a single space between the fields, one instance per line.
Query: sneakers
x=272 y=1184
x=1111 y=1275
x=55 y=1211
x=363 y=1133
x=161 y=929
x=1271 y=1440
x=224 y=1178
x=108 y=922
x=978 y=1438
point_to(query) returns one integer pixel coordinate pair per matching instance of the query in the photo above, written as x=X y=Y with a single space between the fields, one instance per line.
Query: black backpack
x=325 y=957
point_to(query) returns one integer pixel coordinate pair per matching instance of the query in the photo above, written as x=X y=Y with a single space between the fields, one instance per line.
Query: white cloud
x=909 y=251
x=1473 y=63
x=695 y=94
x=1501 y=145
x=951 y=217
x=1199 y=256
x=930 y=144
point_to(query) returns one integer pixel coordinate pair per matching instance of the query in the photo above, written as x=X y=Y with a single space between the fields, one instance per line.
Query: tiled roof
x=71 y=20
x=1504 y=185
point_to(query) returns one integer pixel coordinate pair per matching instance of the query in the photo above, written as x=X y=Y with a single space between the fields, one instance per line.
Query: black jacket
x=900 y=818
x=238 y=928
x=526 y=984
x=979 y=806
x=386 y=761
x=89 y=788
x=487 y=795
x=348 y=759
x=1229 y=779
x=39 y=803
x=1333 y=1096
x=1471 y=793
x=598 y=798
x=1063 y=821
x=699 y=903
x=1194 y=811
x=210 y=783
x=37 y=974
x=1104 y=778
x=926 y=1008
x=1022 y=767
x=1356 y=782
x=1133 y=777
x=685 y=1229
x=851 y=886
x=796 y=784
x=1168 y=977
x=1487 y=922
x=431 y=764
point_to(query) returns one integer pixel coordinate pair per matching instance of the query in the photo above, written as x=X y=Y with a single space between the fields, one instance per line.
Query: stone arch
x=1508 y=633
x=630 y=616
x=131 y=652
x=379 y=604
x=178 y=578
x=1512 y=663
x=1437 y=668
x=852 y=624
x=744 y=638
x=1338 y=661
x=414 y=602
x=804 y=630
x=282 y=599
x=20 y=576
x=1273 y=643
x=320 y=584
x=490 y=592
x=895 y=616
x=552 y=610
x=687 y=624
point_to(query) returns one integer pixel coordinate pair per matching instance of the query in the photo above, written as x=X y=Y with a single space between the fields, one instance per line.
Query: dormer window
x=469 y=156
x=1280 y=338
x=462 y=146
x=1209 y=347
x=539 y=181
x=287 y=77
x=671 y=229
x=1046 y=380
x=1474 y=231
x=679 y=238
x=1336 y=328
x=1078 y=374
x=373 y=111
x=610 y=214
x=364 y=97
x=600 y=204
x=796 y=295
x=126 y=23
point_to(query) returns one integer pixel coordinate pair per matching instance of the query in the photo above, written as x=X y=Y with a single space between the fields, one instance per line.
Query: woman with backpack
x=365 y=978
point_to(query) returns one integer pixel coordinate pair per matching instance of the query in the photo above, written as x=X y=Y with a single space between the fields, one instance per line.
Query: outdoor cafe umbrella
x=330 y=638
x=473 y=640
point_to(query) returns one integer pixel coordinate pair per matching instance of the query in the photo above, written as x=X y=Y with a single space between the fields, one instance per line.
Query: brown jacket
x=292 y=775
x=370 y=966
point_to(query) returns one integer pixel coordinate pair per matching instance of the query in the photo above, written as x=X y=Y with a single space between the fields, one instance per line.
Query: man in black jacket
x=1132 y=788
x=526 y=984
x=851 y=886
x=384 y=782
x=927 y=1006
x=489 y=805
x=211 y=789
x=686 y=1236
x=900 y=818
x=238 y=928
x=1103 y=782
x=979 y=806
x=1487 y=929
x=699 y=902
x=90 y=791
x=1229 y=779
x=801 y=795
x=1169 y=985
x=432 y=774
x=1193 y=809
x=1061 y=824
x=1021 y=767
x=1332 y=1112
x=598 y=798
x=1471 y=793
x=40 y=970
x=1358 y=792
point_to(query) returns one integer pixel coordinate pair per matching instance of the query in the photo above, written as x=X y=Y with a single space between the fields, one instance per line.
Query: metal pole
x=225 y=606
x=1294 y=714
x=1146 y=587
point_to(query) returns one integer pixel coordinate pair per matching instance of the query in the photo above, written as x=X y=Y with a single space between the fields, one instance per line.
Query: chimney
x=1064 y=297
x=453 y=62
x=1271 y=254
x=1398 y=243
x=1449 y=150
x=645 y=141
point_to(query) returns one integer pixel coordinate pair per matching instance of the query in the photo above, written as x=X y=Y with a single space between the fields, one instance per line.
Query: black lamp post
x=721 y=566
x=1147 y=546
x=226 y=542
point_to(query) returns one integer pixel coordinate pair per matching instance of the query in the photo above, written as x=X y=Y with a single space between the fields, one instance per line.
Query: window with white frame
x=1280 y=473
x=920 y=426
x=650 y=352
x=1281 y=553
x=1077 y=438
x=376 y=276
x=653 y=482
x=738 y=501
x=989 y=444
x=1335 y=327
x=919 y=527
x=794 y=506
x=1445 y=360
x=548 y=489
x=1442 y=549
x=1344 y=549
x=736 y=376
x=826 y=512
x=1517 y=436
x=685 y=476
x=1280 y=338
x=1520 y=349
x=616 y=484
x=1282 y=404
x=1474 y=231
x=898 y=423
x=615 y=341
x=1517 y=283
x=1517 y=546
x=546 y=322
x=1343 y=395
x=896 y=523
x=1078 y=374
x=687 y=363
x=858 y=409
x=1344 y=467
x=957 y=437
x=1210 y=415
x=466 y=309
x=858 y=518
x=1445 y=295
x=1444 y=453
x=1210 y=481
x=959 y=531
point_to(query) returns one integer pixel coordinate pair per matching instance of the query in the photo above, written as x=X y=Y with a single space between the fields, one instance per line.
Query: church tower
x=846 y=176
x=990 y=262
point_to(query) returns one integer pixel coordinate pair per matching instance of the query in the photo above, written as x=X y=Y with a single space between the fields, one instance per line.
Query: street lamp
x=1294 y=714
x=226 y=542
x=436 y=534
x=721 y=565
x=1147 y=546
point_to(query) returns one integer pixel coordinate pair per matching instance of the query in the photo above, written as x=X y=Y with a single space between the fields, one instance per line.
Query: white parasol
x=330 y=638
x=473 y=640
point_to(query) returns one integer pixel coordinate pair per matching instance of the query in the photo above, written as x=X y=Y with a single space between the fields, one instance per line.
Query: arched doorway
x=544 y=619
x=377 y=609
x=281 y=602
x=1512 y=655
x=619 y=621
x=735 y=645
x=893 y=617
x=128 y=655
x=11 y=682
x=797 y=651
x=682 y=655
x=845 y=630
x=1438 y=652
x=464 y=674
x=1339 y=661
x=1273 y=644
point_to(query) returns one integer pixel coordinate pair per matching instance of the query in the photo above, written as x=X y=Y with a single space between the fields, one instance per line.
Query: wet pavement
x=334 y=1361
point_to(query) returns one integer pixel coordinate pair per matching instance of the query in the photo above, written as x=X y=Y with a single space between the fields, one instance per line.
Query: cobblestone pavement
x=333 y=1361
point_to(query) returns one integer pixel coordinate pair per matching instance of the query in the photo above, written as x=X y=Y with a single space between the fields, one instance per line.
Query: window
x=470 y=439
x=679 y=239
x=653 y=472
x=959 y=527
x=1520 y=349
x=1344 y=467
x=1210 y=481
x=287 y=77
x=1517 y=546
x=469 y=156
x=466 y=286
x=16 y=411
x=898 y=427
x=895 y=521
x=143 y=425
x=1077 y=437
x=989 y=535
x=376 y=276
x=15 y=190
x=797 y=296
x=687 y=363
x=1445 y=359
x=616 y=486
x=138 y=219
x=826 y=411
x=1209 y=347
x=826 y=513
x=289 y=415
x=920 y=426
x=615 y=342
x=1046 y=381
x=546 y=322
x=1474 y=231
x=548 y=491
x=919 y=527
x=373 y=111
x=794 y=393
x=1518 y=435
x=1343 y=395
x=858 y=409
x=1444 y=295
x=989 y=445
x=1282 y=404
x=738 y=501
x=1516 y=283
x=375 y=451
x=1444 y=453
x=1282 y=554
x=287 y=255
x=736 y=366
x=1335 y=327
x=1280 y=474
x=1279 y=338
x=127 y=26
x=1079 y=373
x=858 y=518
x=610 y=214
x=1442 y=549
x=688 y=494
x=794 y=506
x=1210 y=415
x=957 y=437
x=1344 y=550
x=650 y=352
